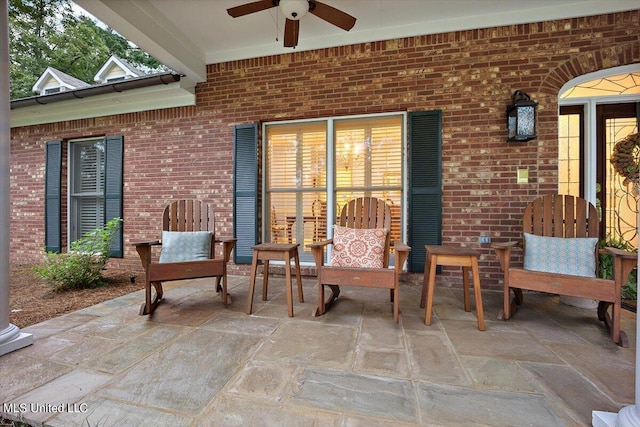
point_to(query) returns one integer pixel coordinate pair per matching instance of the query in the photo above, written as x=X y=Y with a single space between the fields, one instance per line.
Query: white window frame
x=72 y=197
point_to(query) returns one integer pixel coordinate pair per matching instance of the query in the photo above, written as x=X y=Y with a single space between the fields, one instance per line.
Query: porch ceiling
x=186 y=35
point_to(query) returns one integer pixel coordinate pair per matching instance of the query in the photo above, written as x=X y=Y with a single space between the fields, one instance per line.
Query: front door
x=617 y=200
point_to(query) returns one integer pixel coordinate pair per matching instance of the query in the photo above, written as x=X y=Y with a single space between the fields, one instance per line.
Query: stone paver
x=499 y=374
x=20 y=373
x=368 y=395
x=135 y=349
x=308 y=343
x=232 y=411
x=445 y=405
x=197 y=362
x=184 y=376
x=571 y=390
x=433 y=359
x=97 y=411
x=264 y=381
x=385 y=362
x=62 y=394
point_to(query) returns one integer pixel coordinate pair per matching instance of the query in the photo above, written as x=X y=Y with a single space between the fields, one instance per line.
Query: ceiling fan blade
x=332 y=15
x=248 y=8
x=291 y=32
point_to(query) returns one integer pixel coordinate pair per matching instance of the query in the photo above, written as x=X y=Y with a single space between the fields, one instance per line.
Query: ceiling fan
x=294 y=10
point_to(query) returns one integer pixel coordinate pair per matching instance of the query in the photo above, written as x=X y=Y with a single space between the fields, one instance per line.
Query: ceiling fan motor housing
x=294 y=9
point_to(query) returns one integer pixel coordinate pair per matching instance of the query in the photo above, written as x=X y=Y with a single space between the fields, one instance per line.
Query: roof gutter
x=121 y=86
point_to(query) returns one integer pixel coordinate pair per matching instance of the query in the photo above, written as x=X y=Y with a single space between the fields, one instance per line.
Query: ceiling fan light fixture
x=294 y=9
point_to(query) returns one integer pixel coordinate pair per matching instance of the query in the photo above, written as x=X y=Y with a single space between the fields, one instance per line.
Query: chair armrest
x=402 y=253
x=623 y=263
x=503 y=252
x=228 y=243
x=319 y=244
x=504 y=245
x=226 y=240
x=317 y=250
x=144 y=251
x=147 y=243
x=620 y=253
x=398 y=246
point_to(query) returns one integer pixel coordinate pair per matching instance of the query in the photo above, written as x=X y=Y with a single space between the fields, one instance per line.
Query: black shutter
x=113 y=172
x=245 y=191
x=52 y=197
x=425 y=184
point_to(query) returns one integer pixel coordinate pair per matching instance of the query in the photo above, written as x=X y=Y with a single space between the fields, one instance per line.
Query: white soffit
x=130 y=101
x=188 y=34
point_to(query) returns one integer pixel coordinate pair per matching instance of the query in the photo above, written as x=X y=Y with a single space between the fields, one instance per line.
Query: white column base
x=11 y=339
x=627 y=417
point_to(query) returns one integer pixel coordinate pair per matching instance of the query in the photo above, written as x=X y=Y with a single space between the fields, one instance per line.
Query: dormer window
x=55 y=81
x=116 y=70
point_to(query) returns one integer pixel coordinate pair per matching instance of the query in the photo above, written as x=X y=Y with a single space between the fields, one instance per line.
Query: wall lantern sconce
x=521 y=117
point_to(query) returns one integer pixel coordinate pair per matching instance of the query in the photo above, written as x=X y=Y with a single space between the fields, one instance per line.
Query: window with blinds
x=313 y=168
x=87 y=185
x=368 y=162
x=296 y=179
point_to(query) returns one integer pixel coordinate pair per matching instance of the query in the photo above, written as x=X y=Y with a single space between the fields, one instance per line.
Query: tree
x=45 y=33
x=31 y=23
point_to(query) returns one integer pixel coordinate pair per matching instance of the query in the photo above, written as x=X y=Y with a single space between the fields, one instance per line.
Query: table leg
x=265 y=279
x=431 y=285
x=465 y=287
x=298 y=275
x=476 y=289
x=425 y=284
x=287 y=272
x=252 y=281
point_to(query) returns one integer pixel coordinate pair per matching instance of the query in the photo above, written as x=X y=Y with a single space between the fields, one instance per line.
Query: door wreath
x=625 y=158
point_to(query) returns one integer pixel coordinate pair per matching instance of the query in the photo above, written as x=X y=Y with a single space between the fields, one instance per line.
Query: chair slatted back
x=189 y=215
x=368 y=212
x=558 y=215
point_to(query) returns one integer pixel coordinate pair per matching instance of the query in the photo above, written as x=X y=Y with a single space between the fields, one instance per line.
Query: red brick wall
x=469 y=75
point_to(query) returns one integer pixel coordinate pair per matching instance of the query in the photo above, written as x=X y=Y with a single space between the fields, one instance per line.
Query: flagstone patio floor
x=196 y=362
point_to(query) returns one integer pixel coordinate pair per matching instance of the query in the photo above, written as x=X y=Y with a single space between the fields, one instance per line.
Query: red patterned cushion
x=358 y=247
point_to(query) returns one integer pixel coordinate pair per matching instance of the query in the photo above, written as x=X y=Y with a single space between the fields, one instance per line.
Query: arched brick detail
x=589 y=62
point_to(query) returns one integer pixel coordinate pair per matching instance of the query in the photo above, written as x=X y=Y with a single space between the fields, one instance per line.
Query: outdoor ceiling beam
x=142 y=24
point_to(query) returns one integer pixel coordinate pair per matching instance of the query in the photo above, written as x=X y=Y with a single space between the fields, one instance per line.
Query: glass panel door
x=296 y=182
x=619 y=215
x=368 y=162
x=615 y=201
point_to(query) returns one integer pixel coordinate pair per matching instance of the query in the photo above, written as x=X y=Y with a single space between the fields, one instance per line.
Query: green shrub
x=605 y=267
x=82 y=266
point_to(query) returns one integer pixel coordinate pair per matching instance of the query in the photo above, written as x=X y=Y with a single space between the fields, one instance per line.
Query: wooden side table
x=452 y=256
x=281 y=252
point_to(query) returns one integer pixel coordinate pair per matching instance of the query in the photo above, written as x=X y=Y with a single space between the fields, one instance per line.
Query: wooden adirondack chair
x=363 y=213
x=187 y=217
x=574 y=220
